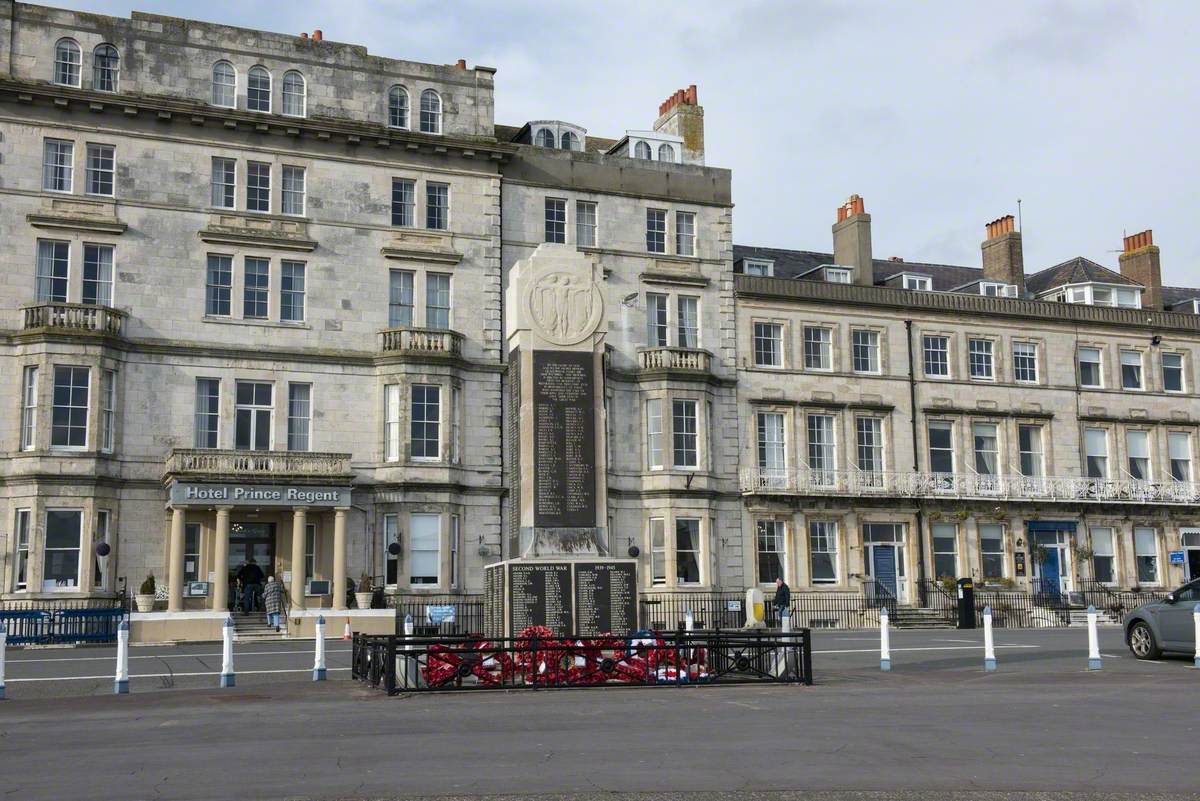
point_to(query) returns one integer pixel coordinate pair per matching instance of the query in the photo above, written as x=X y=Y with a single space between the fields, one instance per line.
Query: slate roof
x=795 y=263
x=1175 y=295
x=591 y=144
x=1075 y=271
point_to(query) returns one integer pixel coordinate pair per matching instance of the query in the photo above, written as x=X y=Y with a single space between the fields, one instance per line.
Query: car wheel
x=1142 y=643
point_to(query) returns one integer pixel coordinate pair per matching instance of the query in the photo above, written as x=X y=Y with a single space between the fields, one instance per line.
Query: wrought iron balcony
x=212 y=463
x=690 y=360
x=74 y=318
x=421 y=342
x=966 y=486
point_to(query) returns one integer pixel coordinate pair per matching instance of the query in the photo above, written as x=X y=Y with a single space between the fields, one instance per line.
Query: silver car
x=1165 y=625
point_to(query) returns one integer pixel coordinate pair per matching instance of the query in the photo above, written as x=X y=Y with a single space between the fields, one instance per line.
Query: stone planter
x=145 y=603
x=363 y=600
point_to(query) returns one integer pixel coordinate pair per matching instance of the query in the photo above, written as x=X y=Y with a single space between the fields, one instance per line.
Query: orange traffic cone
x=346 y=631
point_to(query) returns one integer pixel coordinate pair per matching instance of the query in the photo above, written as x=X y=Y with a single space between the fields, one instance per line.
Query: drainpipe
x=912 y=400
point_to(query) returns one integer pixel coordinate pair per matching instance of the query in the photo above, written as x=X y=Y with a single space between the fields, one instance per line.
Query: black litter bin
x=966 y=604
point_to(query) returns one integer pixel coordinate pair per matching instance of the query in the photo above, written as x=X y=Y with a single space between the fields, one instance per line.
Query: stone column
x=220 y=595
x=339 y=558
x=175 y=561
x=299 y=518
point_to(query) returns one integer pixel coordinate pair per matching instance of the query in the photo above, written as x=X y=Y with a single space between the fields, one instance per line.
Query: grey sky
x=940 y=114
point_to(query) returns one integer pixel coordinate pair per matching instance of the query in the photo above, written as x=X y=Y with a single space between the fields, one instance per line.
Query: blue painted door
x=1050 y=570
x=883 y=567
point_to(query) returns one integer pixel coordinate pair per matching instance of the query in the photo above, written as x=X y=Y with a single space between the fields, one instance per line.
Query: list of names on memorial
x=605 y=598
x=564 y=439
x=493 y=601
x=540 y=595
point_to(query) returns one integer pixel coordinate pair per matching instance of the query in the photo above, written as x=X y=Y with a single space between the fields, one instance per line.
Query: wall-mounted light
x=1155 y=340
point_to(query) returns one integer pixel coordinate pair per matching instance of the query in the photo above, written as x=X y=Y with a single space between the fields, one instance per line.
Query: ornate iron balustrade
x=203 y=461
x=421 y=341
x=74 y=317
x=689 y=359
x=967 y=486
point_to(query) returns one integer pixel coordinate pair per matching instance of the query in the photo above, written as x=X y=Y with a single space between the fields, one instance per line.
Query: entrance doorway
x=1052 y=563
x=1191 y=548
x=884 y=544
x=249 y=539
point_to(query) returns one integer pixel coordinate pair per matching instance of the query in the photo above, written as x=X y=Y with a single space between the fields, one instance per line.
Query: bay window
x=654 y=434
x=426 y=415
x=21 y=535
x=687 y=550
x=69 y=420
x=29 y=402
x=658 y=550
x=425 y=553
x=685 y=434
x=771 y=544
x=60 y=563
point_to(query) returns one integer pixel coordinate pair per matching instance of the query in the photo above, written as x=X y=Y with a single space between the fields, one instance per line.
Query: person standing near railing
x=783 y=597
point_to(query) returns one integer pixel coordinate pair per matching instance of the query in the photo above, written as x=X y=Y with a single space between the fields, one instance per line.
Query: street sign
x=1177 y=557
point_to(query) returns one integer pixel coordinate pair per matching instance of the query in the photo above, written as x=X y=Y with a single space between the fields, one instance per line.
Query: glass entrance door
x=252 y=540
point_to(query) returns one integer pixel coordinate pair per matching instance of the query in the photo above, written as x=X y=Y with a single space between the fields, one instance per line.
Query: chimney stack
x=317 y=35
x=1140 y=262
x=461 y=63
x=852 y=240
x=682 y=115
x=1003 y=256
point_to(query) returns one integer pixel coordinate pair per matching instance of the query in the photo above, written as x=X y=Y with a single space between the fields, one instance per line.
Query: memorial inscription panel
x=493 y=601
x=564 y=436
x=605 y=598
x=539 y=594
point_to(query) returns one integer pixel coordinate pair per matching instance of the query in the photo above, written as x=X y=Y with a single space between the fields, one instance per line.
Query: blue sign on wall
x=437 y=615
x=1176 y=557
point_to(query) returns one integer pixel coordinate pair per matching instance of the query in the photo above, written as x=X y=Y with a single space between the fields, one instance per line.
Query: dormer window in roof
x=916 y=282
x=650 y=146
x=641 y=150
x=555 y=134
x=1124 y=297
x=544 y=138
x=839 y=275
x=997 y=289
x=760 y=267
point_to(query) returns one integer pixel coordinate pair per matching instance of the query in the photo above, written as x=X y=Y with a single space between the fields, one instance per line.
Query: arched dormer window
x=106 y=68
x=224 y=85
x=544 y=138
x=666 y=152
x=258 y=89
x=294 y=99
x=641 y=151
x=431 y=112
x=67 y=63
x=398 y=107
x=570 y=141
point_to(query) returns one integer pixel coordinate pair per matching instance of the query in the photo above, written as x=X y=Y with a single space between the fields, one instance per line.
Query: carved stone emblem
x=565 y=308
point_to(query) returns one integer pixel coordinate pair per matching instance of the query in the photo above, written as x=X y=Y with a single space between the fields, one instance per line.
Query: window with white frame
x=945 y=550
x=291 y=291
x=68 y=63
x=256 y=287
x=253 y=415
x=21 y=536
x=224 y=85
x=654 y=434
x=685 y=434
x=53 y=271
x=768 y=345
x=299 y=422
x=991 y=550
x=1095 y=449
x=425 y=548
x=865 y=351
x=1145 y=543
x=58 y=165
x=839 y=275
x=771 y=550
x=765 y=269
x=258 y=89
x=431 y=112
x=658 y=550
x=921 y=283
x=404 y=193
x=1172 y=372
x=656 y=230
x=868 y=432
x=657 y=327
x=685 y=233
x=398 y=107
x=980 y=359
x=936 y=355
x=61 y=564
x=556 y=220
x=426 y=422
x=391 y=426
x=585 y=223
x=29 y=402
x=641 y=150
x=1131 y=369
x=258 y=186
x=224 y=183
x=218 y=286
x=99 y=170
x=687 y=550
x=821 y=460
x=1103 y=555
x=191 y=552
x=818 y=348
x=97 y=275
x=108 y=409
x=455 y=536
x=391 y=533
x=69 y=421
x=986 y=449
x=544 y=138
x=310 y=551
x=400 y=299
x=1137 y=451
x=437 y=301
x=941 y=447
x=1179 y=452
x=437 y=206
x=294 y=95
x=455 y=423
x=293 y=191
x=1090 y=370
x=1025 y=362
x=1029 y=450
x=569 y=140
x=772 y=445
x=822 y=549
x=687 y=321
x=208 y=413
x=666 y=152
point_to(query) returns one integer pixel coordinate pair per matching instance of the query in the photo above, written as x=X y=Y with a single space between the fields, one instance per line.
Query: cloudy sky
x=940 y=114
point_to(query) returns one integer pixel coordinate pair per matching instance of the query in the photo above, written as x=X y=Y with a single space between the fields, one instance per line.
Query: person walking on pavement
x=274 y=602
x=251 y=576
x=783 y=597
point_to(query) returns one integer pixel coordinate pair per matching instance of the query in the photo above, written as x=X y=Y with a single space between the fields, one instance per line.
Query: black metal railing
x=828 y=610
x=1014 y=609
x=940 y=598
x=439 y=614
x=399 y=664
x=1117 y=602
x=71 y=625
x=710 y=610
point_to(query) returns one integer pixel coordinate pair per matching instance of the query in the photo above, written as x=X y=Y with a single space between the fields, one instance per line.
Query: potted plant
x=362 y=592
x=145 y=596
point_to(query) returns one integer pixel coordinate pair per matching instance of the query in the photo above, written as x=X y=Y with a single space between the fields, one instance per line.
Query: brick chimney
x=852 y=240
x=1140 y=263
x=682 y=115
x=1003 y=257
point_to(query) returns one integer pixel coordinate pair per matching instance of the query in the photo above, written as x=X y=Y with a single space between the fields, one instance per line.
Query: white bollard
x=121 y=684
x=1195 y=633
x=1093 y=640
x=3 y=646
x=319 y=663
x=689 y=620
x=989 y=645
x=785 y=620
x=408 y=629
x=227 y=679
x=885 y=650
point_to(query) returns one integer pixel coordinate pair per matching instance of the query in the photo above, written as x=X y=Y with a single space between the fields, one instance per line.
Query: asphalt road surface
x=937 y=726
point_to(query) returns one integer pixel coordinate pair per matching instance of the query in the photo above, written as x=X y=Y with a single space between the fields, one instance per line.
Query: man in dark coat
x=783 y=597
x=251 y=577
